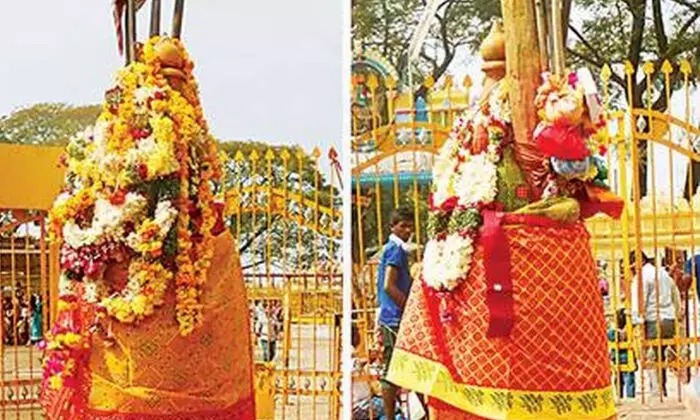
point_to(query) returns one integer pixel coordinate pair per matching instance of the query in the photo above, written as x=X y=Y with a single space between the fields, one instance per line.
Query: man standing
x=267 y=330
x=393 y=285
x=659 y=309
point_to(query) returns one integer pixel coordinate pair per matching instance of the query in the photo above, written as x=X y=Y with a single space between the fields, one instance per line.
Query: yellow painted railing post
x=265 y=377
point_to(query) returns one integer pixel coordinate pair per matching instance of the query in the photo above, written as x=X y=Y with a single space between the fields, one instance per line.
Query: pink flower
x=54 y=366
x=573 y=79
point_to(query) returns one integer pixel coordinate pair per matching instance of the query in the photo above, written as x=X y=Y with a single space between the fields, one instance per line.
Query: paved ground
x=307 y=353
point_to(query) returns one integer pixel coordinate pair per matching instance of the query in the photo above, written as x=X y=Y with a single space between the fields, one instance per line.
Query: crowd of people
x=668 y=294
x=22 y=317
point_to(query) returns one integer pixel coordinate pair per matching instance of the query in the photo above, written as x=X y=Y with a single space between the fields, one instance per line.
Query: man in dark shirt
x=393 y=285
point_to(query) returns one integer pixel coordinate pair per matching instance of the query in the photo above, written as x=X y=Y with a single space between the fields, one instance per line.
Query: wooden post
x=130 y=29
x=523 y=71
x=557 y=41
x=177 y=18
x=155 y=18
x=542 y=33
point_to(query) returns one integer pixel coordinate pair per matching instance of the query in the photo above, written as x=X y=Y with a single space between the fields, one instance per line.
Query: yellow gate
x=24 y=279
x=286 y=215
x=28 y=270
x=392 y=166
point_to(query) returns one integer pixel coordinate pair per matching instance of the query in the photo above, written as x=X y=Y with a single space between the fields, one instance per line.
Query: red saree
x=551 y=362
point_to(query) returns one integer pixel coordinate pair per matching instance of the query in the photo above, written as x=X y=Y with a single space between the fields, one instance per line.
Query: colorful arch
x=372 y=58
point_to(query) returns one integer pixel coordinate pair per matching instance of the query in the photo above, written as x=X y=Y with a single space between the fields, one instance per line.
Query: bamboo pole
x=177 y=18
x=523 y=71
x=542 y=33
x=130 y=29
x=155 y=18
x=557 y=41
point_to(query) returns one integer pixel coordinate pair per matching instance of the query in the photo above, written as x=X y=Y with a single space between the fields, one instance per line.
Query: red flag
x=118 y=13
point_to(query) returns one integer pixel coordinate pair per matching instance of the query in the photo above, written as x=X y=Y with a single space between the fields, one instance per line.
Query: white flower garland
x=164 y=218
x=473 y=180
x=107 y=222
x=477 y=180
x=447 y=261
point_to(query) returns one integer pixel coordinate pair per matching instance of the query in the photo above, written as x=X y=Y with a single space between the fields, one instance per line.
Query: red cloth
x=562 y=142
x=557 y=342
x=499 y=285
x=600 y=200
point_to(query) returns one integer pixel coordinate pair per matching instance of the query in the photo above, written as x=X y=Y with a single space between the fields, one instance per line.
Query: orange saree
x=150 y=371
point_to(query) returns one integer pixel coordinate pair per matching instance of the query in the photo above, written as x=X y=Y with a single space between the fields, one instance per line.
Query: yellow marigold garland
x=183 y=147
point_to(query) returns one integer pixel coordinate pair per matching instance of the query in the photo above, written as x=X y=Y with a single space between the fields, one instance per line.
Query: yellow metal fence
x=285 y=210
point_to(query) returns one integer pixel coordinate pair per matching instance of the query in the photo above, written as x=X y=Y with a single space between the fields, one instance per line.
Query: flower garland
x=139 y=190
x=464 y=182
x=67 y=345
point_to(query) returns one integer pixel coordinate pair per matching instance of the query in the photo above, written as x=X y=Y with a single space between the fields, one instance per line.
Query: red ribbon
x=335 y=164
x=117 y=14
x=499 y=284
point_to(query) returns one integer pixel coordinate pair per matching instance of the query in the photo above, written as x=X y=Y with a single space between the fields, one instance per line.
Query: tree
x=46 y=123
x=388 y=26
x=611 y=32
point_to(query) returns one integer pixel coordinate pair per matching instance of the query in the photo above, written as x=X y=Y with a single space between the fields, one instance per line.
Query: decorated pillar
x=523 y=70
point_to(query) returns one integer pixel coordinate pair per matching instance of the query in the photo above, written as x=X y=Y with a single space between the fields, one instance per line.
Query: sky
x=268 y=70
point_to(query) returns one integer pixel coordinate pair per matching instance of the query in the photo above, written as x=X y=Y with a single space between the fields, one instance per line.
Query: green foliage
x=375 y=214
x=46 y=123
x=388 y=25
x=612 y=32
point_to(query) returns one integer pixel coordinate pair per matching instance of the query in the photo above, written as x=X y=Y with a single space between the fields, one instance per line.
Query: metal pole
x=177 y=18
x=130 y=29
x=155 y=18
x=422 y=30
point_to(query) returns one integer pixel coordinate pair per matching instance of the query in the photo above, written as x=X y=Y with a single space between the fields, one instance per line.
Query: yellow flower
x=139 y=305
x=56 y=382
x=69 y=366
x=71 y=339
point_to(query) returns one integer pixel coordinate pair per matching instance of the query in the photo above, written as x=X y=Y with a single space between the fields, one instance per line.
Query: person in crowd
x=35 y=325
x=367 y=404
x=658 y=311
x=623 y=359
x=267 y=330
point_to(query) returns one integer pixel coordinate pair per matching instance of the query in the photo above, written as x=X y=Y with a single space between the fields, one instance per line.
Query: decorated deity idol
x=152 y=317
x=506 y=320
